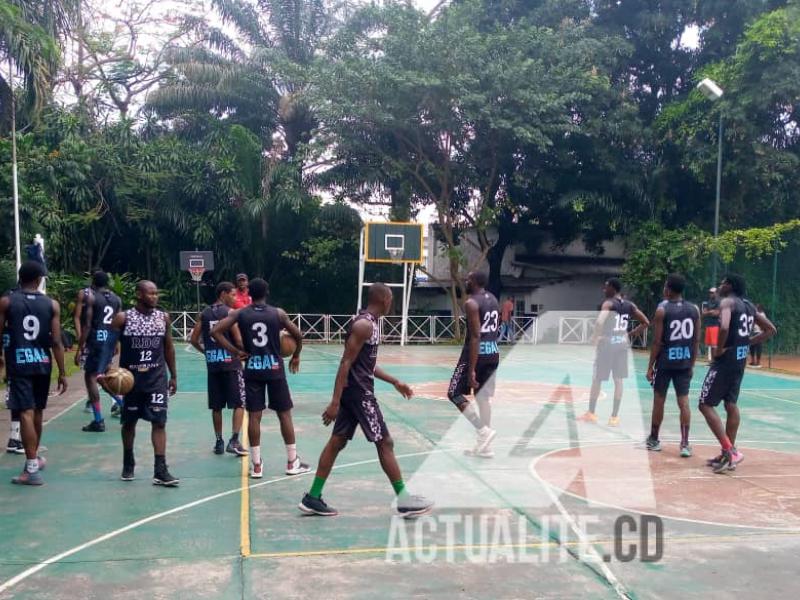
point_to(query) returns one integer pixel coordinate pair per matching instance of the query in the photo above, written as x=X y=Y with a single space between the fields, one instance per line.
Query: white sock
x=32 y=466
x=484 y=430
x=255 y=454
x=15 y=431
x=291 y=452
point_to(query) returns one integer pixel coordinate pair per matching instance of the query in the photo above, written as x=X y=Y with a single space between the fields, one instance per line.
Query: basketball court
x=536 y=521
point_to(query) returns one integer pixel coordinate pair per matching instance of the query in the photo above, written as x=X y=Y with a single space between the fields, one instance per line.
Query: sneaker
x=713 y=462
x=235 y=447
x=726 y=464
x=127 y=473
x=115 y=411
x=297 y=467
x=95 y=426
x=14 y=447
x=736 y=456
x=485 y=437
x=613 y=421
x=411 y=506
x=587 y=417
x=316 y=506
x=257 y=470
x=164 y=477
x=219 y=446
x=686 y=451
x=42 y=462
x=652 y=444
x=475 y=453
x=40 y=450
x=26 y=478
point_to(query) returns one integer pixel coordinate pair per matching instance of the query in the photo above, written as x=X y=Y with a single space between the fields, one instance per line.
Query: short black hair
x=378 y=292
x=224 y=287
x=259 y=289
x=615 y=283
x=676 y=283
x=480 y=278
x=30 y=271
x=100 y=279
x=738 y=285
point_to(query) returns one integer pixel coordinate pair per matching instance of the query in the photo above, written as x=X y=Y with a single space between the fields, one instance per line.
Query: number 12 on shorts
x=156 y=398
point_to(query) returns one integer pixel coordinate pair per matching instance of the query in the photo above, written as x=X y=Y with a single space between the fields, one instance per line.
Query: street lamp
x=710 y=89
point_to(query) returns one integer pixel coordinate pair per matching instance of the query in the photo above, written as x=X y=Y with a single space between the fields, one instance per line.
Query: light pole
x=710 y=89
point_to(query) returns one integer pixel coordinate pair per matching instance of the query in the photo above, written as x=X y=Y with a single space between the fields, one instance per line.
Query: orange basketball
x=288 y=345
x=117 y=381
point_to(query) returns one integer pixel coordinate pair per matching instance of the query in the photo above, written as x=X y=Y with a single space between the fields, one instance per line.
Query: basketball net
x=197 y=273
x=395 y=254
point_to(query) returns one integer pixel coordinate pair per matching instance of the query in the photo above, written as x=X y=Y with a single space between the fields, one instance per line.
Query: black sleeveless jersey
x=105 y=306
x=737 y=344
x=615 y=327
x=677 y=347
x=142 y=348
x=361 y=378
x=217 y=358
x=30 y=339
x=489 y=316
x=260 y=327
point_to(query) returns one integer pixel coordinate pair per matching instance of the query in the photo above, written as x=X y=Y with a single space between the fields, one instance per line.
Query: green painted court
x=503 y=528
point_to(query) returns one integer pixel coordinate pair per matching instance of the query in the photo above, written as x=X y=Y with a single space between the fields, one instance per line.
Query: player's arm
x=725 y=313
x=194 y=340
x=474 y=320
x=696 y=338
x=169 y=355
x=359 y=334
x=109 y=348
x=605 y=311
x=642 y=319
x=224 y=326
x=294 y=331
x=84 y=332
x=768 y=329
x=4 y=304
x=76 y=315
x=658 y=336
x=58 y=347
x=403 y=388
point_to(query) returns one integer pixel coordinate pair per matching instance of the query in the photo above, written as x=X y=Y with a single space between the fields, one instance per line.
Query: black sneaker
x=727 y=463
x=115 y=411
x=219 y=447
x=127 y=473
x=235 y=447
x=14 y=447
x=165 y=478
x=316 y=506
x=411 y=506
x=714 y=462
x=95 y=426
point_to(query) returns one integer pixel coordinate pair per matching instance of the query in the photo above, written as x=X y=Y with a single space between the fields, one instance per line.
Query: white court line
x=771 y=397
x=136 y=524
x=63 y=411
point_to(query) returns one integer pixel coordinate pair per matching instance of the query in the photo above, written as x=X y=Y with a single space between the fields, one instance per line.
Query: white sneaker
x=297 y=467
x=487 y=453
x=485 y=437
x=257 y=470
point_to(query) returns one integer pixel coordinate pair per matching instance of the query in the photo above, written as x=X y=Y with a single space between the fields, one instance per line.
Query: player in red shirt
x=242 y=294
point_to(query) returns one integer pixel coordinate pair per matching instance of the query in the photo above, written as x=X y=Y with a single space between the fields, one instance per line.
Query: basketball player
x=147 y=351
x=478 y=362
x=354 y=404
x=724 y=377
x=79 y=321
x=676 y=341
x=33 y=323
x=225 y=381
x=260 y=326
x=100 y=306
x=613 y=340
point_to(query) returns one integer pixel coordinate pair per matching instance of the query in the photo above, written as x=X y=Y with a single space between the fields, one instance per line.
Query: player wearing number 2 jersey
x=613 y=341
x=32 y=322
x=260 y=326
x=480 y=357
x=675 y=344
x=724 y=378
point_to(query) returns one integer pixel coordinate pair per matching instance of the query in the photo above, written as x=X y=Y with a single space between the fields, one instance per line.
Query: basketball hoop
x=395 y=254
x=197 y=273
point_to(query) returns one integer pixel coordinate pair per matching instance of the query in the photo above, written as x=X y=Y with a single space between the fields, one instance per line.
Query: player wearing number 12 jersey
x=675 y=344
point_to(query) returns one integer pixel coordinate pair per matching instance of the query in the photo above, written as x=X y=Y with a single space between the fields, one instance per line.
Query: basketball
x=288 y=345
x=117 y=381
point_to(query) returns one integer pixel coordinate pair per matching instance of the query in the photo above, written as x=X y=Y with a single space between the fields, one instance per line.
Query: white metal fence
x=578 y=330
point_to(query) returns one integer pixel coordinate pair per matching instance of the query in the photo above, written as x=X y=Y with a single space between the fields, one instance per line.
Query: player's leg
x=97 y=424
x=660 y=383
x=485 y=374
x=255 y=403
x=601 y=373
x=158 y=436
x=312 y=503
x=27 y=397
x=14 y=445
x=457 y=393
x=216 y=421
x=236 y=402
x=715 y=389
x=619 y=370
x=216 y=402
x=280 y=400
x=682 y=380
x=128 y=433
x=732 y=421
x=408 y=505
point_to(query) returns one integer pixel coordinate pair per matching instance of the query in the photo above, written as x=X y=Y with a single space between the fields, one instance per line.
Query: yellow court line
x=244 y=520
x=667 y=540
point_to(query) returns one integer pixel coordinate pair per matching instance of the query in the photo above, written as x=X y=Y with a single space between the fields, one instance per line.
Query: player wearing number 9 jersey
x=147 y=351
x=724 y=377
x=32 y=322
x=260 y=326
x=480 y=357
x=675 y=344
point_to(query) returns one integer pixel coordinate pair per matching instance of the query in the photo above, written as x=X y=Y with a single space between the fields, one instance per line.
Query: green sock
x=398 y=486
x=316 y=487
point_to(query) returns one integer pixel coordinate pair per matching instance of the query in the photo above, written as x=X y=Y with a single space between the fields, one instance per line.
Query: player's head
x=226 y=293
x=242 y=281
x=712 y=293
x=100 y=279
x=147 y=294
x=476 y=281
x=612 y=287
x=31 y=273
x=259 y=290
x=732 y=284
x=674 y=285
x=379 y=298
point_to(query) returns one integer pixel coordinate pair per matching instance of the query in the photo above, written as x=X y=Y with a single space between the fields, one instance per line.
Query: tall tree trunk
x=496 y=253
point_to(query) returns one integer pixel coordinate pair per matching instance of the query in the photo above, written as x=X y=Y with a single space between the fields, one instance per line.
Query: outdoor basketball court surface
x=558 y=513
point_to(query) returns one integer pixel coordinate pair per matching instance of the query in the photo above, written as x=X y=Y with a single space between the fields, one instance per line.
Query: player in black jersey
x=225 y=381
x=354 y=405
x=260 y=326
x=100 y=307
x=676 y=341
x=613 y=341
x=724 y=377
x=33 y=324
x=147 y=351
x=480 y=357
x=80 y=321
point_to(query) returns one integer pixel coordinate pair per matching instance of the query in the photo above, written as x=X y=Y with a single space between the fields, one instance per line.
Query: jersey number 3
x=260 y=334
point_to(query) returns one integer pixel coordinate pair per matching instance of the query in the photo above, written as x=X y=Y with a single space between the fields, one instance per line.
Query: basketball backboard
x=195 y=259
x=393 y=242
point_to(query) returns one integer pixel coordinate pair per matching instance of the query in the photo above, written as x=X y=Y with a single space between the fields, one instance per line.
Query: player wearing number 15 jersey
x=480 y=357
x=676 y=340
x=260 y=326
